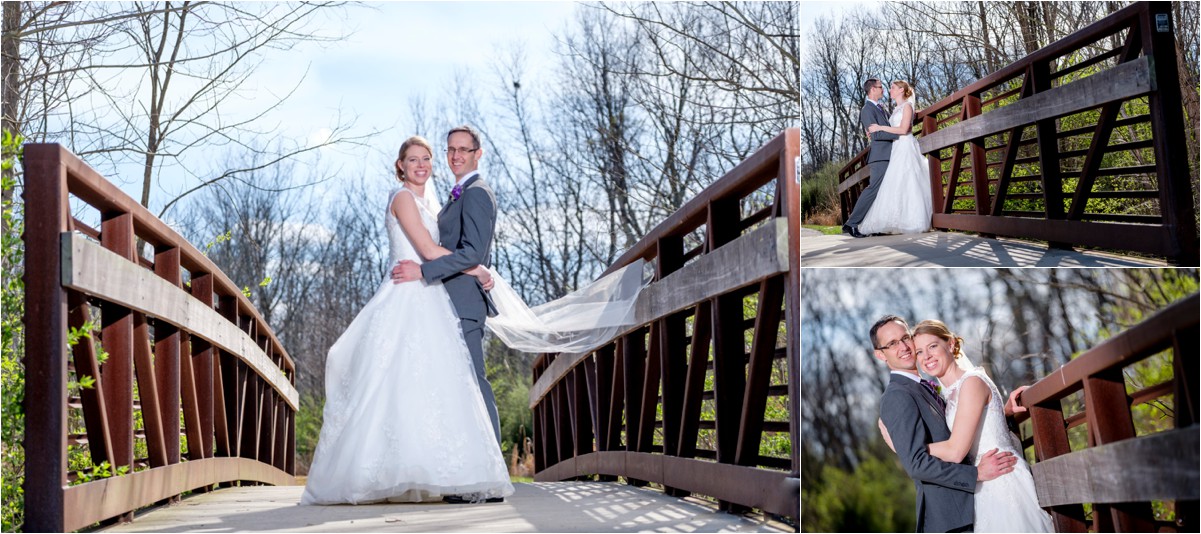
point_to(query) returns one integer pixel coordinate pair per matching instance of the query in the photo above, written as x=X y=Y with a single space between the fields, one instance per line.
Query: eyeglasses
x=462 y=151
x=893 y=344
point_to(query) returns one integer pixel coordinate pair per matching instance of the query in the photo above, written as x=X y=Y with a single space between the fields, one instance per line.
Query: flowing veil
x=575 y=323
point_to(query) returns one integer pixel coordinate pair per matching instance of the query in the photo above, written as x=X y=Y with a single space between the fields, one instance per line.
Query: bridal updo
x=908 y=92
x=416 y=140
x=939 y=329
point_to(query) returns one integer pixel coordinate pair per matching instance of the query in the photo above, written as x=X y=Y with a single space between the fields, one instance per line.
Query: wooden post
x=1167 y=126
x=1109 y=420
x=934 y=164
x=45 y=402
x=166 y=357
x=116 y=234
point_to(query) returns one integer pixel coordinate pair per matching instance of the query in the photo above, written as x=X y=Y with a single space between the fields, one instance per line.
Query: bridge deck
x=535 y=507
x=948 y=249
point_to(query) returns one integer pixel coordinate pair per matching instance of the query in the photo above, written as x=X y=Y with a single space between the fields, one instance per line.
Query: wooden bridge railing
x=1029 y=151
x=179 y=335
x=1123 y=468
x=633 y=408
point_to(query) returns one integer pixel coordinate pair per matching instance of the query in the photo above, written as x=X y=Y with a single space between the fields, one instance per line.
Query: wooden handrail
x=1118 y=465
x=203 y=354
x=580 y=401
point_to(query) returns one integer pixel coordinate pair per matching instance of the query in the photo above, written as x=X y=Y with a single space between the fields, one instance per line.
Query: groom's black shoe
x=855 y=232
x=459 y=499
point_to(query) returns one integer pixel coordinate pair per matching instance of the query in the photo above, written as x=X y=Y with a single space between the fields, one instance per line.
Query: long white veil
x=575 y=323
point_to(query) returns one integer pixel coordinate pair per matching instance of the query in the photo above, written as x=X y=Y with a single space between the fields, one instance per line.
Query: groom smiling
x=915 y=417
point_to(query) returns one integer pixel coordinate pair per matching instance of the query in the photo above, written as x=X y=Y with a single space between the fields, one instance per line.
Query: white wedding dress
x=1007 y=503
x=903 y=204
x=404 y=420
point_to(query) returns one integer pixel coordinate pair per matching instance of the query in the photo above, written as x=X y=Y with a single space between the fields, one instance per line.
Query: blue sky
x=393 y=52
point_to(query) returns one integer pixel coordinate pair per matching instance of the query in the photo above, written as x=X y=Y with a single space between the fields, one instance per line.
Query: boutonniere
x=456 y=192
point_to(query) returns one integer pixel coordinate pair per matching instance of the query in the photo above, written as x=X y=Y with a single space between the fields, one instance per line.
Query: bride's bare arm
x=973 y=398
x=905 y=127
x=404 y=207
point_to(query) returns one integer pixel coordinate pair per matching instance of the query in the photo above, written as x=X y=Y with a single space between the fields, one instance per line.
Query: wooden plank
x=1124 y=81
x=117 y=338
x=95 y=415
x=1051 y=441
x=971 y=106
x=1162 y=466
x=102 y=499
x=1110 y=420
x=167 y=369
x=763 y=348
x=1150 y=239
x=205 y=370
x=694 y=388
x=758 y=254
x=190 y=404
x=771 y=491
x=93 y=270
x=152 y=417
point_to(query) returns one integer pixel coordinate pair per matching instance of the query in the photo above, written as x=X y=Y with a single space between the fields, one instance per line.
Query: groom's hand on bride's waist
x=994 y=464
x=406 y=271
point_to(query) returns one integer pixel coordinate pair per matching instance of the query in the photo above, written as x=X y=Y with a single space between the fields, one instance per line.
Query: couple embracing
x=953 y=438
x=409 y=415
x=897 y=198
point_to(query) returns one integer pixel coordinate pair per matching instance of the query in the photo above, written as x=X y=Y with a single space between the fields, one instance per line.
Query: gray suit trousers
x=473 y=334
x=868 y=197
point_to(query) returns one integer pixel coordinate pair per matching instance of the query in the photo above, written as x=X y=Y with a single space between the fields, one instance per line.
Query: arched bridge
x=1080 y=143
x=698 y=400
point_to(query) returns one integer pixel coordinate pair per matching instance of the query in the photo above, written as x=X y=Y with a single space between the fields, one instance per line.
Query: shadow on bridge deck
x=948 y=249
x=535 y=507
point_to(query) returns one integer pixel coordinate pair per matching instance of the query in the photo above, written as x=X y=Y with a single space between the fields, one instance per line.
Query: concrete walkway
x=948 y=249
x=535 y=507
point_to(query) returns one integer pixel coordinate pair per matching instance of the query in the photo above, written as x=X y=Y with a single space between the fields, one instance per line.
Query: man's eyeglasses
x=462 y=151
x=893 y=344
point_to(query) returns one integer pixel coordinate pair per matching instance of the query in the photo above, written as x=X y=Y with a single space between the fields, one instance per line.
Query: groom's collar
x=464 y=179
x=912 y=376
x=876 y=102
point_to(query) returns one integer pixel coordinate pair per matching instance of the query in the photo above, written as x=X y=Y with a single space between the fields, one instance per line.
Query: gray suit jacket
x=881 y=145
x=465 y=227
x=944 y=490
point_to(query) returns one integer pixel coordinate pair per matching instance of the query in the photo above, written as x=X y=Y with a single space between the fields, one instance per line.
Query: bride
x=903 y=203
x=976 y=415
x=404 y=420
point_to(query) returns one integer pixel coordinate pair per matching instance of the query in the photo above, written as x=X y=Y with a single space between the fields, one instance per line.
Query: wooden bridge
x=1031 y=151
x=1122 y=470
x=180 y=341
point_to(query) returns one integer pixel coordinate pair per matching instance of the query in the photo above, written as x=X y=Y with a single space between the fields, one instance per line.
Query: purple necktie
x=881 y=106
x=934 y=391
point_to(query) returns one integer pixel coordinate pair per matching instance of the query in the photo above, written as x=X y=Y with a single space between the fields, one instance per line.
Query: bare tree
x=149 y=83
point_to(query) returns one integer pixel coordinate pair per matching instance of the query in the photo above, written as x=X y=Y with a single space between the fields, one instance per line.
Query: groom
x=879 y=152
x=465 y=225
x=915 y=417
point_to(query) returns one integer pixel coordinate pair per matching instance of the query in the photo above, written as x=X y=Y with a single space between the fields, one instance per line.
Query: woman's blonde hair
x=939 y=329
x=416 y=140
x=904 y=85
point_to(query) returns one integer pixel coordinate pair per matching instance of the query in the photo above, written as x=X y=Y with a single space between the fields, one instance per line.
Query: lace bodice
x=992 y=431
x=898 y=115
x=399 y=246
